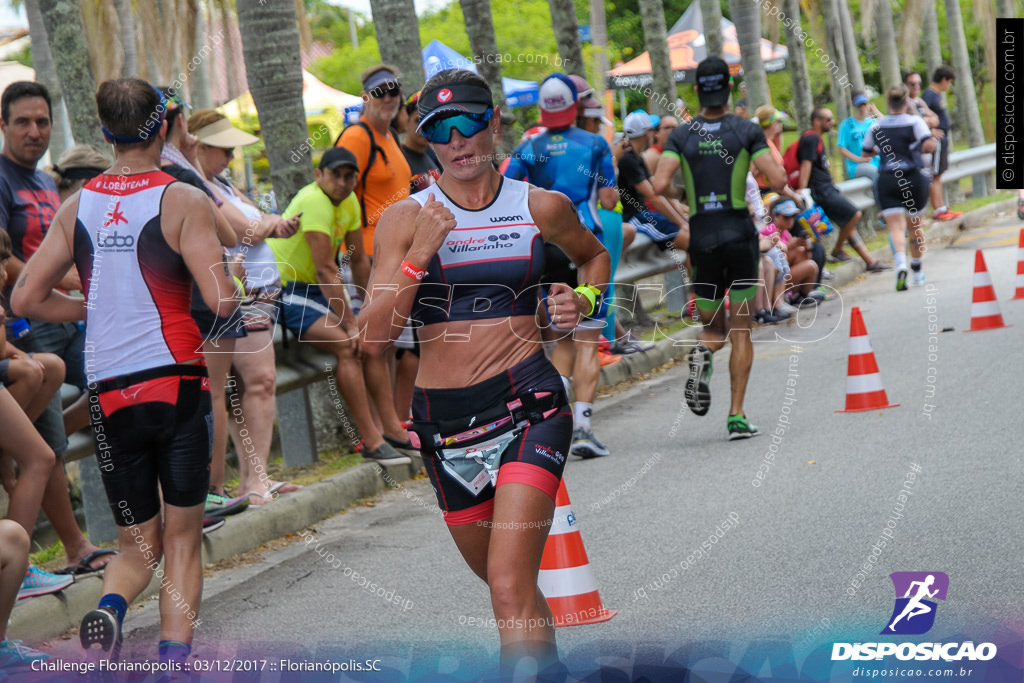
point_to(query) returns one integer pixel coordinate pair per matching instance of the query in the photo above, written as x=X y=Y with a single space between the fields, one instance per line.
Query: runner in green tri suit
x=715 y=151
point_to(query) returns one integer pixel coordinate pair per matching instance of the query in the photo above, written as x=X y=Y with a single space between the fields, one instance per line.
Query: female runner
x=462 y=259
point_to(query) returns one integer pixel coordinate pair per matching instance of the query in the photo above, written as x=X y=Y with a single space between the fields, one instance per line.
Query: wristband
x=412 y=271
x=591 y=294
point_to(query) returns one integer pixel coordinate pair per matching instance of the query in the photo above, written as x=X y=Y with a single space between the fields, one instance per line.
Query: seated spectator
x=851 y=134
x=253 y=358
x=14 y=546
x=800 y=282
x=315 y=306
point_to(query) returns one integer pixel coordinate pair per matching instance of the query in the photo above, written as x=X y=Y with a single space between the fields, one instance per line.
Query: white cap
x=637 y=124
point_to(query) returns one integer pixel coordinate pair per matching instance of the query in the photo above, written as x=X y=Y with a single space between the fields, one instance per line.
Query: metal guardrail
x=643 y=259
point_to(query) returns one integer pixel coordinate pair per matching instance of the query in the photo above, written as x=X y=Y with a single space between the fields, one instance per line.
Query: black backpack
x=375 y=149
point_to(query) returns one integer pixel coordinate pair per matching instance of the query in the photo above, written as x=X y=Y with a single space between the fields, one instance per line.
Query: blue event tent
x=438 y=57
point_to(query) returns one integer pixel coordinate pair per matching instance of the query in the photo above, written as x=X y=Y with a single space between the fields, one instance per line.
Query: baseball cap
x=379 y=78
x=713 y=82
x=636 y=124
x=585 y=92
x=596 y=113
x=786 y=207
x=859 y=99
x=338 y=156
x=222 y=134
x=558 y=98
x=461 y=97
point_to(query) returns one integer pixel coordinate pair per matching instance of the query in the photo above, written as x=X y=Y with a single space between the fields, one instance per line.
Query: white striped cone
x=864 y=390
x=1019 y=283
x=985 y=314
x=565 y=577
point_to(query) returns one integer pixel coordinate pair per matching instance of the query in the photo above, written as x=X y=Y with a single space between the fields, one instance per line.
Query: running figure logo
x=915 y=589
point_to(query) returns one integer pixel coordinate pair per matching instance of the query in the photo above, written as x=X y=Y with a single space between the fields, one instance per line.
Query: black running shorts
x=151 y=428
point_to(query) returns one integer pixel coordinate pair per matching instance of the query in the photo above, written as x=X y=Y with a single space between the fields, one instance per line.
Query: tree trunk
x=567 y=35
x=130 y=67
x=663 y=98
x=273 y=63
x=305 y=32
x=747 y=17
x=154 y=43
x=480 y=29
x=64 y=24
x=1005 y=8
x=398 y=39
x=850 y=45
x=46 y=73
x=838 y=74
x=202 y=53
x=599 y=39
x=965 y=95
x=711 y=11
x=932 y=47
x=888 y=58
x=230 y=75
x=803 y=100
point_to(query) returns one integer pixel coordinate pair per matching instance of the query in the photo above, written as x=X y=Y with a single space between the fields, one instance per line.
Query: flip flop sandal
x=84 y=566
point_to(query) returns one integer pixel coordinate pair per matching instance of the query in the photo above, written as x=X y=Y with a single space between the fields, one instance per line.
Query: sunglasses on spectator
x=468 y=125
x=380 y=93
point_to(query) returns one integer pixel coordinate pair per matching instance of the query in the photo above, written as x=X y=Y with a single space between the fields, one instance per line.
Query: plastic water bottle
x=19 y=328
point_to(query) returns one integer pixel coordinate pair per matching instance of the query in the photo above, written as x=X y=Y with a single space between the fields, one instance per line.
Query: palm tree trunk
x=888 y=59
x=398 y=39
x=850 y=44
x=965 y=94
x=711 y=11
x=599 y=39
x=64 y=24
x=130 y=66
x=838 y=74
x=231 y=77
x=1005 y=9
x=273 y=63
x=803 y=101
x=202 y=51
x=480 y=29
x=932 y=48
x=747 y=17
x=305 y=32
x=154 y=43
x=567 y=35
x=663 y=97
x=46 y=73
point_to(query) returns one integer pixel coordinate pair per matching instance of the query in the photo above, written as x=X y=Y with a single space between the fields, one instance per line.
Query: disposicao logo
x=914 y=614
x=915 y=588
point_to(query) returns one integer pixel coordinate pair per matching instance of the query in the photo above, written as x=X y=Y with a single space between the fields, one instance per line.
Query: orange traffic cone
x=985 y=313
x=864 y=389
x=565 y=577
x=1019 y=284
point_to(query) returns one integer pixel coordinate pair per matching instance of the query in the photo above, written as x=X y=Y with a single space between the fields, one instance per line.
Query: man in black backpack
x=383 y=179
x=815 y=174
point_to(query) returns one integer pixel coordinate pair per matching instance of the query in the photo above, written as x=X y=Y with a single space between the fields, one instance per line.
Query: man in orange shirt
x=384 y=179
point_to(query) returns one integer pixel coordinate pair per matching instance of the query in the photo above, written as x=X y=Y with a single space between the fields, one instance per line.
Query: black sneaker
x=100 y=634
x=403 y=447
x=740 y=428
x=698 y=384
x=385 y=454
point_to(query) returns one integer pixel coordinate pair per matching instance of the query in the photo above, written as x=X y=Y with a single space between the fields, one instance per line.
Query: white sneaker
x=917 y=278
x=782 y=308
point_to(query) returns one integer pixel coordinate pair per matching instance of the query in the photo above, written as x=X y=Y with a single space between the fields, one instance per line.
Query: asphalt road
x=774 y=591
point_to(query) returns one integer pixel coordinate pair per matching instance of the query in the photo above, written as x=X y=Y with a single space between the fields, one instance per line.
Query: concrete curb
x=37 y=619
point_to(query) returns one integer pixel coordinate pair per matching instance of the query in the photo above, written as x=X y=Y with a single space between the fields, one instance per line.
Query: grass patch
x=978 y=202
x=48 y=557
x=328 y=464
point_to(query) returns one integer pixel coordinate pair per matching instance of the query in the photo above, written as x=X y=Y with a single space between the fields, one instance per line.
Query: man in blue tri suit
x=578 y=164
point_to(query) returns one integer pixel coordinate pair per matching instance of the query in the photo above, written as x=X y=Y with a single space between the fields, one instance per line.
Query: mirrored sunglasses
x=468 y=125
